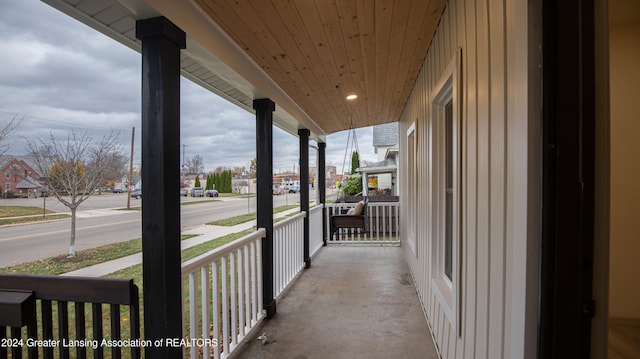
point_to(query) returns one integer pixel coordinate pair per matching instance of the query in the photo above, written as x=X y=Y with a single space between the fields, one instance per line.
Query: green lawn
x=198 y=202
x=49 y=217
x=239 y=195
x=232 y=221
x=28 y=214
x=61 y=264
x=16 y=211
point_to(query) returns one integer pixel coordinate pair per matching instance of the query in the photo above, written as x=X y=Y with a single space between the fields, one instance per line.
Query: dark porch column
x=322 y=186
x=264 y=178
x=161 y=44
x=304 y=189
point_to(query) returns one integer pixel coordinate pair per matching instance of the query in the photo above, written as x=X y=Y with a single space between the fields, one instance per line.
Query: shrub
x=353 y=186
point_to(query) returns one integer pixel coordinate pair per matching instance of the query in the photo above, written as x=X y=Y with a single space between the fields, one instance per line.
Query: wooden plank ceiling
x=320 y=51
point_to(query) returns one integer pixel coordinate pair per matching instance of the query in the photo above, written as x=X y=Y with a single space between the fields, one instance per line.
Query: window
x=411 y=187
x=448 y=189
x=446 y=162
x=7 y=175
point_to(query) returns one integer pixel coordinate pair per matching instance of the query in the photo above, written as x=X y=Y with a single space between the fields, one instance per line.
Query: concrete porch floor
x=354 y=302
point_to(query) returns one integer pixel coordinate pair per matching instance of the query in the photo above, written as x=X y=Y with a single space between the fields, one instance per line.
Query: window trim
x=412 y=187
x=447 y=289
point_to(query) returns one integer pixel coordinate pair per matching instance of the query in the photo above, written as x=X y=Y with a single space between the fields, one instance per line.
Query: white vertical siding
x=494 y=167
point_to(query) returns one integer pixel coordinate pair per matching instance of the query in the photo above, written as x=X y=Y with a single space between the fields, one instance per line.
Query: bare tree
x=195 y=165
x=5 y=134
x=116 y=168
x=75 y=167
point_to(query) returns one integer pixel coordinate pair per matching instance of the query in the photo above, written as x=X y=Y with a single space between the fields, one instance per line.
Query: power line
x=45 y=121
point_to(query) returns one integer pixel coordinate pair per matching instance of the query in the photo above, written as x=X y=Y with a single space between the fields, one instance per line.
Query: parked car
x=294 y=189
x=197 y=192
x=117 y=190
x=136 y=193
x=184 y=192
x=211 y=193
x=278 y=191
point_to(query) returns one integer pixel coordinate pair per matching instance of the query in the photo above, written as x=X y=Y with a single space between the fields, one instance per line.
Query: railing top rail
x=278 y=225
x=315 y=208
x=370 y=203
x=215 y=254
x=71 y=289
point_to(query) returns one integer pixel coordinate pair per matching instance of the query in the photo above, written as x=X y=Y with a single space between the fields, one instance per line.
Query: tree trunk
x=72 y=240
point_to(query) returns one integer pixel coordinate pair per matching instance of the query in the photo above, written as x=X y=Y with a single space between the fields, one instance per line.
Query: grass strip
x=135 y=271
x=238 y=195
x=232 y=221
x=198 y=202
x=33 y=219
x=138 y=208
x=28 y=214
x=88 y=257
x=129 y=209
x=17 y=211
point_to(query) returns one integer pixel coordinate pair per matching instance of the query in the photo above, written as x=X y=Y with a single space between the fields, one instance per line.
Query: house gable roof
x=385 y=135
x=21 y=161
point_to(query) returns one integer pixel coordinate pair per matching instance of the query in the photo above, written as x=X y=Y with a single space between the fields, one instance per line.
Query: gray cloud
x=60 y=74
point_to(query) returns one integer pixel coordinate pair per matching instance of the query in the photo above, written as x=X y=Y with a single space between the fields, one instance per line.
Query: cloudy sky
x=59 y=74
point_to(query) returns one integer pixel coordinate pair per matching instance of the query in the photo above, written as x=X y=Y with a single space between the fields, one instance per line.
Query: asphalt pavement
x=99 y=223
x=202 y=234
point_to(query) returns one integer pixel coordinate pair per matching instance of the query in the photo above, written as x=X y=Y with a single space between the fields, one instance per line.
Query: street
x=100 y=222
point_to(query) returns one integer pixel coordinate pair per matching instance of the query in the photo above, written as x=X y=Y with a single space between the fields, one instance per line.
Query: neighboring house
x=30 y=186
x=382 y=176
x=287 y=180
x=122 y=185
x=19 y=175
x=385 y=138
x=243 y=185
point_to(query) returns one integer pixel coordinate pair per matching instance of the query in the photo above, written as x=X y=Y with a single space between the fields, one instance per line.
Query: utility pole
x=133 y=132
x=183 y=163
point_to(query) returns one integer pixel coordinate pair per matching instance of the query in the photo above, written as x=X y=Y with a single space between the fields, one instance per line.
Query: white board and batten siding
x=494 y=259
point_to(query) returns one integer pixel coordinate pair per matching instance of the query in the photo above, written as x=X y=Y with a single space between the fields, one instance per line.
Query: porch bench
x=356 y=218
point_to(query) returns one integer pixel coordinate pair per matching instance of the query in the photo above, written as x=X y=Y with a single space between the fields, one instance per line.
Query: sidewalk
x=203 y=234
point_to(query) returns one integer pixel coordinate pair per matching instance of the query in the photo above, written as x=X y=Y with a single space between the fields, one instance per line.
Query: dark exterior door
x=566 y=307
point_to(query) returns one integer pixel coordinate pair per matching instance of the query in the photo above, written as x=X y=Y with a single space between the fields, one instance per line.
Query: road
x=99 y=223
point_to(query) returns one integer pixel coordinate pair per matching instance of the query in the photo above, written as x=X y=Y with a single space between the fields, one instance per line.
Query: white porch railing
x=222 y=289
x=315 y=230
x=224 y=296
x=383 y=224
x=288 y=251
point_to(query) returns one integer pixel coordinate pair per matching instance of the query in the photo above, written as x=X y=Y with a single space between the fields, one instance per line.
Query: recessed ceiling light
x=352 y=97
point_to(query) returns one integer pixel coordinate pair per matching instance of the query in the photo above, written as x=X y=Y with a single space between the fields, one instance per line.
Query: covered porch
x=358 y=292
x=212 y=304
x=485 y=192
